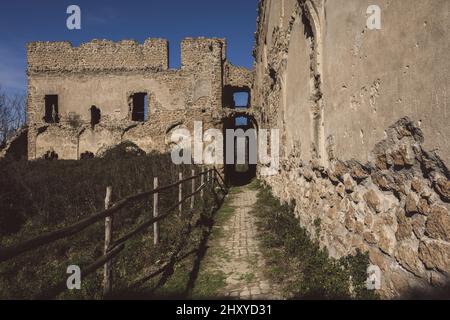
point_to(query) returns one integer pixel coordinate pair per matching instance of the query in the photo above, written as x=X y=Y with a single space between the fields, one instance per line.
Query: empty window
x=241 y=121
x=241 y=99
x=95 y=116
x=51 y=109
x=139 y=107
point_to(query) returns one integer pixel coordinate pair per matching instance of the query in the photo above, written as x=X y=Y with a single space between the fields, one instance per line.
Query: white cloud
x=104 y=15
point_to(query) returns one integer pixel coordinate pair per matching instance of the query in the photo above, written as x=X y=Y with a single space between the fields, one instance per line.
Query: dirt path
x=235 y=252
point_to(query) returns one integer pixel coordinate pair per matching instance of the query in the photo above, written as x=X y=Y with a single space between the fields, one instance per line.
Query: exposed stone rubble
x=395 y=207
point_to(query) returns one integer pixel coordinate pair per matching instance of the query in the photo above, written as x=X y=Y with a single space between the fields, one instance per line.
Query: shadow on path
x=136 y=292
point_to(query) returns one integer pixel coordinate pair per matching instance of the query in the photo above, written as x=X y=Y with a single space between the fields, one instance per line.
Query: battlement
x=98 y=55
x=126 y=55
x=198 y=51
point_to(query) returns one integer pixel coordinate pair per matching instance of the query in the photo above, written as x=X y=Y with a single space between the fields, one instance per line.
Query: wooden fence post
x=155 y=213
x=192 y=189
x=180 y=193
x=107 y=274
x=202 y=182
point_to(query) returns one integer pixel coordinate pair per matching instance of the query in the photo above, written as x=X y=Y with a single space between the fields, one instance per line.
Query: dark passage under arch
x=240 y=174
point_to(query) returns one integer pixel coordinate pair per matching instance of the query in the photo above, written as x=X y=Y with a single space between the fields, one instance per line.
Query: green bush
x=304 y=269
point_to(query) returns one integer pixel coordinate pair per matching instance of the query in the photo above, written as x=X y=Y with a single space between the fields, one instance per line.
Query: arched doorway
x=243 y=146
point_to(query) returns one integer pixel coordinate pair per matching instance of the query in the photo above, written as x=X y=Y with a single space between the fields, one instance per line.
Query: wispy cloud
x=105 y=15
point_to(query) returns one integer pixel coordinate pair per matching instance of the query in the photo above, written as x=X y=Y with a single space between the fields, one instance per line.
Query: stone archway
x=311 y=18
x=239 y=174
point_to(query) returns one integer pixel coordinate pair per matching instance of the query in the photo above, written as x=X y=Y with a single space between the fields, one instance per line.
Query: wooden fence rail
x=113 y=248
x=62 y=286
x=50 y=237
x=150 y=222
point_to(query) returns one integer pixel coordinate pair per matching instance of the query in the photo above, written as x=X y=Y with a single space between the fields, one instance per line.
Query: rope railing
x=113 y=248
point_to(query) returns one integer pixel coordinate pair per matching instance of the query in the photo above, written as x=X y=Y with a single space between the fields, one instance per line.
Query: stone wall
x=363 y=119
x=98 y=55
x=237 y=79
x=105 y=74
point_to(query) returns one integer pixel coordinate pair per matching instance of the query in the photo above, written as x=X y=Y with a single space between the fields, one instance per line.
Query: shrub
x=42 y=196
x=304 y=269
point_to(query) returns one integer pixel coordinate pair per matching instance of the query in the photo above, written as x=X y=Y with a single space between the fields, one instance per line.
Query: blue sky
x=45 y=20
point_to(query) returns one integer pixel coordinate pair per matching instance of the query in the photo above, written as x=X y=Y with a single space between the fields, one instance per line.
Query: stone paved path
x=241 y=259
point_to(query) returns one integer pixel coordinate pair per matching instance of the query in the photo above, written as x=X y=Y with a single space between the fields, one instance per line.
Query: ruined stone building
x=83 y=100
x=364 y=122
x=363 y=116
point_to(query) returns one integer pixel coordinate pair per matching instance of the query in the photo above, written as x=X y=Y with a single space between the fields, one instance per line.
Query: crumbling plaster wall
x=105 y=74
x=363 y=119
x=372 y=77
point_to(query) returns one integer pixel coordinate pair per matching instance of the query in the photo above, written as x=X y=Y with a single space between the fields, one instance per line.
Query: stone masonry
x=94 y=87
x=363 y=117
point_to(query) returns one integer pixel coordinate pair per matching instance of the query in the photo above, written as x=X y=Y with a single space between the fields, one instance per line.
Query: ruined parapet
x=97 y=56
x=205 y=57
x=238 y=77
x=236 y=80
x=200 y=52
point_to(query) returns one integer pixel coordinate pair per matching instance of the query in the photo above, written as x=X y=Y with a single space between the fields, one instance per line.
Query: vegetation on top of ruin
x=125 y=149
